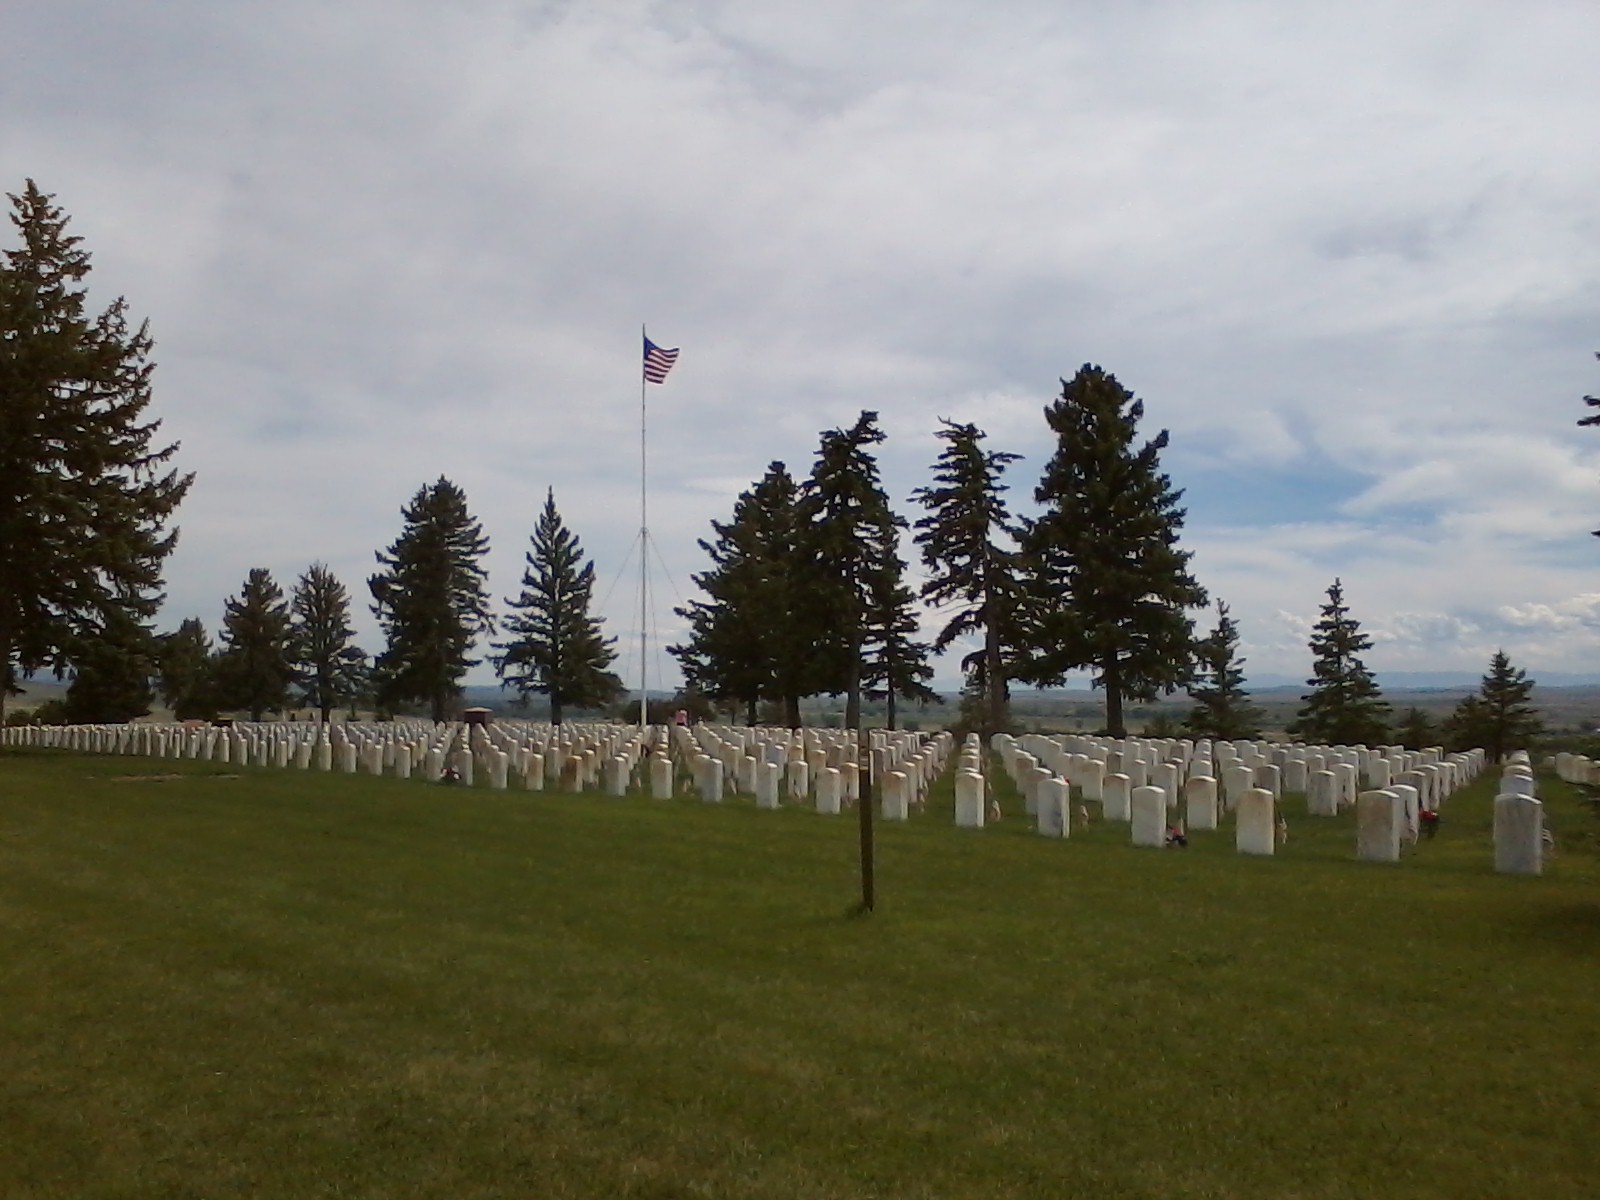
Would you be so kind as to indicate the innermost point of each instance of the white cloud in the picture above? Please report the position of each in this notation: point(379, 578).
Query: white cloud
point(1347, 255)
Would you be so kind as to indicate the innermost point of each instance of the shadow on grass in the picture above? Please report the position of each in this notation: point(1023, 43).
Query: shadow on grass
point(1571, 926)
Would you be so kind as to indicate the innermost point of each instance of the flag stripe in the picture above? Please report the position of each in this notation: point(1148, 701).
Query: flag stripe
point(657, 362)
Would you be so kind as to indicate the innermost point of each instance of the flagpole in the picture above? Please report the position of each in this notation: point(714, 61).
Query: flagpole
point(644, 546)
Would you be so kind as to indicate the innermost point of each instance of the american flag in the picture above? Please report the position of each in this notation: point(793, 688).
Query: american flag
point(657, 362)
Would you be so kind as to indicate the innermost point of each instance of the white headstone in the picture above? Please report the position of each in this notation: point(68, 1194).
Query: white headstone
point(1518, 835)
point(1379, 824)
point(969, 800)
point(1149, 805)
point(1256, 830)
point(1116, 798)
point(1200, 802)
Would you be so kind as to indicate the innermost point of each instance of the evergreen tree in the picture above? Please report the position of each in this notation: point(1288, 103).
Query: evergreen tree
point(1344, 706)
point(187, 667)
point(849, 532)
point(111, 672)
point(330, 667)
point(431, 600)
point(747, 641)
point(1112, 588)
point(255, 670)
point(1498, 716)
point(895, 663)
point(557, 648)
point(967, 542)
point(84, 496)
point(1222, 707)
point(1415, 731)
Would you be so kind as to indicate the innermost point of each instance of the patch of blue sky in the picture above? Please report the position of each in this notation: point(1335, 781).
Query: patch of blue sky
point(1235, 495)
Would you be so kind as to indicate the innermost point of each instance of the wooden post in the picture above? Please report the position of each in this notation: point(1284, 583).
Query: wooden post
point(864, 803)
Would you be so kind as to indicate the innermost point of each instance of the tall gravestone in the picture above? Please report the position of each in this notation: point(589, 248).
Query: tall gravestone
point(969, 800)
point(1255, 823)
point(1052, 818)
point(1379, 824)
point(1518, 835)
point(1149, 816)
point(1115, 797)
point(1200, 802)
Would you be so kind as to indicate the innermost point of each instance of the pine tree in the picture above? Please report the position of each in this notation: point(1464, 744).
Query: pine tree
point(895, 661)
point(1222, 706)
point(746, 642)
point(187, 667)
point(84, 496)
point(849, 531)
point(557, 648)
point(111, 672)
point(1415, 731)
point(1344, 706)
point(330, 667)
point(255, 670)
point(1112, 588)
point(1498, 716)
point(431, 601)
point(967, 542)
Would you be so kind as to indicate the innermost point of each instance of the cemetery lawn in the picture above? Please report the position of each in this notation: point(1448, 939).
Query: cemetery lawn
point(277, 984)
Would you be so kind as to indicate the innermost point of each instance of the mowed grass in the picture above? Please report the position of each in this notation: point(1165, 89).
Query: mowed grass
point(275, 984)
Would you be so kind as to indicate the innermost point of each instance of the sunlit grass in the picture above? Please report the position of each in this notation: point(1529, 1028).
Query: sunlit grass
point(280, 984)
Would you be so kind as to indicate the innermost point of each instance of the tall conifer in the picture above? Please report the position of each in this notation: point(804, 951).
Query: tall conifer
point(187, 667)
point(968, 546)
point(431, 599)
point(1344, 706)
point(895, 663)
point(556, 647)
point(1499, 716)
point(1111, 588)
point(850, 531)
point(747, 640)
point(85, 494)
point(1222, 706)
point(330, 667)
point(256, 668)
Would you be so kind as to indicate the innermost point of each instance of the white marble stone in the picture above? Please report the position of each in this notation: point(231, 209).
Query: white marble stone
point(1256, 823)
point(1380, 823)
point(1200, 803)
point(969, 800)
point(1054, 818)
point(1518, 835)
point(1149, 816)
point(829, 791)
point(1116, 793)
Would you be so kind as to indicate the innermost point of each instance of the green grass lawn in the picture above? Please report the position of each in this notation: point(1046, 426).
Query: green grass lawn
point(275, 984)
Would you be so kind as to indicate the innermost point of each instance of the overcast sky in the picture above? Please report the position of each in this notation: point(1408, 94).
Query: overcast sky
point(1348, 254)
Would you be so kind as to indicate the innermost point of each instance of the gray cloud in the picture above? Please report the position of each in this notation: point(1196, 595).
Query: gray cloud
point(1347, 256)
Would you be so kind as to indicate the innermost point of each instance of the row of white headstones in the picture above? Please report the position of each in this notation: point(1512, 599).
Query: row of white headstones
point(711, 762)
point(1156, 786)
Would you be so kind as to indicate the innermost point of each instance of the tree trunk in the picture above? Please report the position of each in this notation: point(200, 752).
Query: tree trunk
point(994, 685)
point(791, 711)
point(750, 711)
point(1111, 680)
point(852, 695)
point(889, 708)
point(555, 708)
